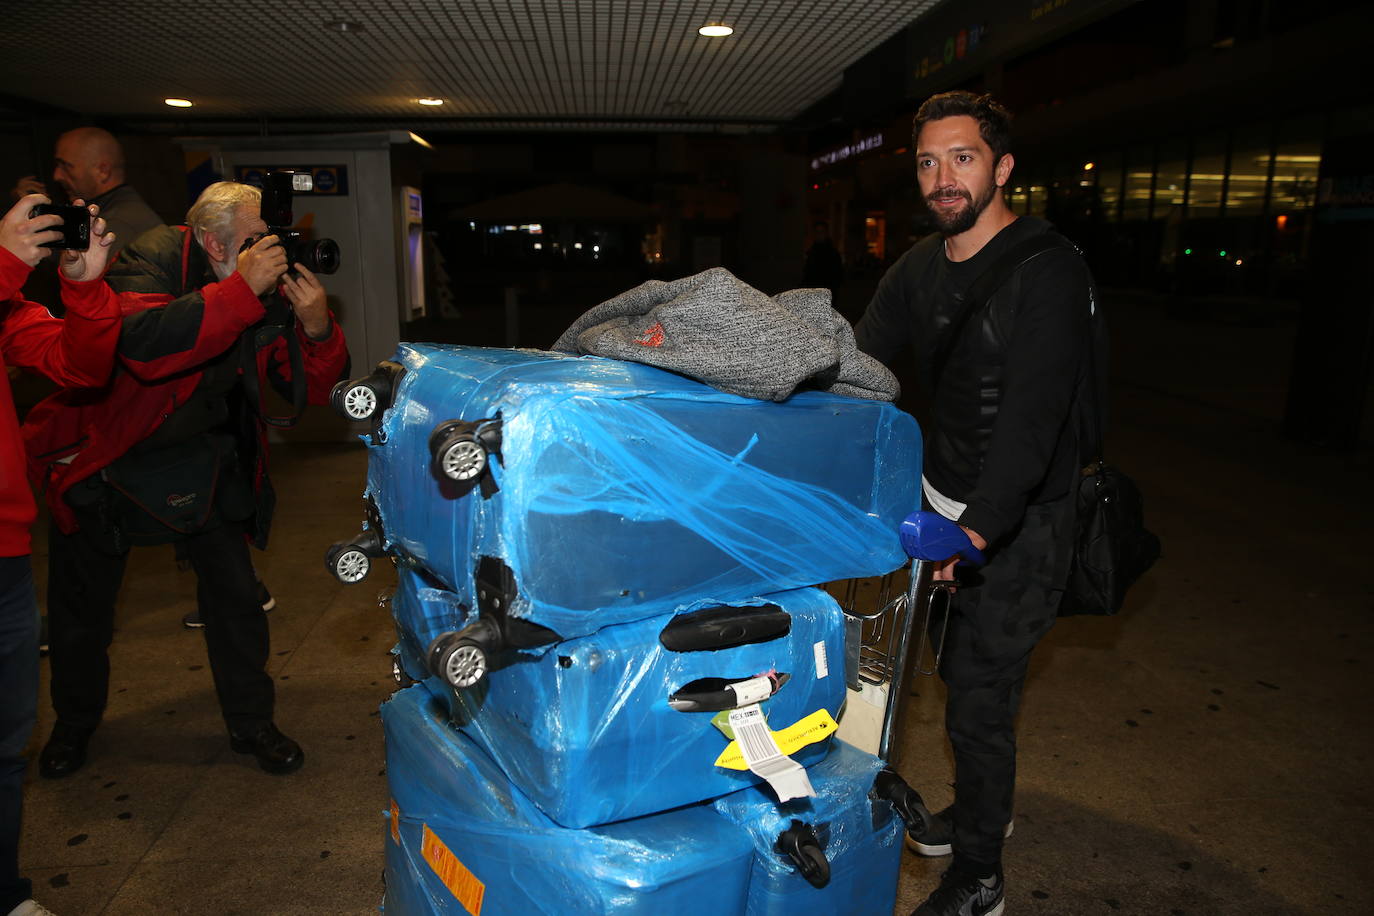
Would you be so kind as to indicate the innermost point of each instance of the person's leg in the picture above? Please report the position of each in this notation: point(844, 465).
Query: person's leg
point(237, 640)
point(18, 710)
point(994, 626)
point(83, 583)
point(236, 631)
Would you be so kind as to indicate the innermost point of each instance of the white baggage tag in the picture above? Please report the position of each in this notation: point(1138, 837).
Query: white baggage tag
point(755, 690)
point(787, 777)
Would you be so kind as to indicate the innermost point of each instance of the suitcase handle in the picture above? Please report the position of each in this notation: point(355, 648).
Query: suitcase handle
point(713, 694)
point(725, 627)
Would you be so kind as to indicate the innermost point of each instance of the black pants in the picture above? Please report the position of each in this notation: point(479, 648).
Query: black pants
point(83, 583)
point(994, 623)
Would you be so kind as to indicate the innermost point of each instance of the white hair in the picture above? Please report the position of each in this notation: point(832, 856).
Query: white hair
point(214, 210)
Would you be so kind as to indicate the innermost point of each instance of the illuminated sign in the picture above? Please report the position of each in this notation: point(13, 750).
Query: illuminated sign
point(845, 152)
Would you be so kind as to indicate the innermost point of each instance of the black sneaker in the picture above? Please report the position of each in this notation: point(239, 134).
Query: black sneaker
point(43, 636)
point(939, 839)
point(964, 895)
point(192, 620)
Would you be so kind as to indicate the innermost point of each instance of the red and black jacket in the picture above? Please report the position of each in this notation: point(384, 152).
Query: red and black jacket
point(177, 318)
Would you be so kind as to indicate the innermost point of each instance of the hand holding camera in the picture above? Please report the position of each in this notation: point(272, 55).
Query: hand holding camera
point(86, 261)
point(308, 301)
point(262, 264)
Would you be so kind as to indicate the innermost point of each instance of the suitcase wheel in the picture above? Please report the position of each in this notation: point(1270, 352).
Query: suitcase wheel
point(911, 808)
point(799, 844)
point(348, 563)
point(403, 680)
point(360, 398)
point(461, 659)
point(458, 455)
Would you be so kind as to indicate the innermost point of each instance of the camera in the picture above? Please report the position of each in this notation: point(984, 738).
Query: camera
point(75, 226)
point(320, 256)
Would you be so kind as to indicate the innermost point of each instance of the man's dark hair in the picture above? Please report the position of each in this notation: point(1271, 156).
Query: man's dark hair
point(994, 121)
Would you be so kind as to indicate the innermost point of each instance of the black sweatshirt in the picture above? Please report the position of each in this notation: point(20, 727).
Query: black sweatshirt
point(1007, 414)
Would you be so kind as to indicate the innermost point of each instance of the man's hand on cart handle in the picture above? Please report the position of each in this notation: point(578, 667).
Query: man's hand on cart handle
point(944, 570)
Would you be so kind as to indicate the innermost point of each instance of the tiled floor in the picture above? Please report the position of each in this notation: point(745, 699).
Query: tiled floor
point(1206, 752)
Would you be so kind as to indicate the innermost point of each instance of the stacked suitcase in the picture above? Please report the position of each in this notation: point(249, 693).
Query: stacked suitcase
point(597, 561)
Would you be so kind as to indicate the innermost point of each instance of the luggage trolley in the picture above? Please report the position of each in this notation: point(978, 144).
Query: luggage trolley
point(878, 656)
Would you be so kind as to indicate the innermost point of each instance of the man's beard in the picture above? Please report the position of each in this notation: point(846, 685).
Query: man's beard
point(961, 220)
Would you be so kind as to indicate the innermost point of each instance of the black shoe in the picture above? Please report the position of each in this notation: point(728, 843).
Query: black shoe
point(964, 895)
point(192, 621)
point(276, 753)
point(43, 636)
point(65, 752)
point(939, 839)
point(265, 597)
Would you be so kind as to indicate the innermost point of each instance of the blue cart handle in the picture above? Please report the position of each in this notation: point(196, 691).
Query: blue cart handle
point(931, 537)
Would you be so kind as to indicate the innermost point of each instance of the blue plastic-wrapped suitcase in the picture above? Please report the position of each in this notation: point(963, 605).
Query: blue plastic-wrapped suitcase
point(601, 491)
point(463, 841)
point(619, 723)
point(858, 835)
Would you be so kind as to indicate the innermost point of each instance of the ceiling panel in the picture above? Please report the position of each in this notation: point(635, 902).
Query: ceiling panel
point(560, 61)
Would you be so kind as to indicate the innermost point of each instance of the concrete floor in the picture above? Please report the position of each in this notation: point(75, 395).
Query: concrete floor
point(1204, 753)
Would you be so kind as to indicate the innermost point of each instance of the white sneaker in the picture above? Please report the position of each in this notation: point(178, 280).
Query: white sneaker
point(31, 908)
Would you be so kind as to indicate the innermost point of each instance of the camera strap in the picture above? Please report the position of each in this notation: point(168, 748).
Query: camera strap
point(260, 337)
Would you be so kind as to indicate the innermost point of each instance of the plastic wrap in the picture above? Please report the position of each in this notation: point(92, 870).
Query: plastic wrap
point(461, 840)
point(585, 728)
point(623, 491)
point(861, 838)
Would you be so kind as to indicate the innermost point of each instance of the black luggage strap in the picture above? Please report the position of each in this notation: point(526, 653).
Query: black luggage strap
point(989, 282)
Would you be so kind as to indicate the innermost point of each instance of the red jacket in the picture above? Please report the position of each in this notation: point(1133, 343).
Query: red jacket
point(74, 352)
point(174, 323)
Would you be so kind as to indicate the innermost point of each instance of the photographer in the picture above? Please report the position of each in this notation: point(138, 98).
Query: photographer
point(76, 351)
point(175, 449)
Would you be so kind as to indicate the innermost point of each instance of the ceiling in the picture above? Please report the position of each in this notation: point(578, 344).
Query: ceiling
point(501, 64)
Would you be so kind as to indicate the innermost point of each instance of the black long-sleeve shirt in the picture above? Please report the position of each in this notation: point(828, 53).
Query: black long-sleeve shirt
point(1007, 412)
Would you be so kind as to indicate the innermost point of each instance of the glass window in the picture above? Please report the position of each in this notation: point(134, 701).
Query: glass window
point(1140, 171)
point(1038, 195)
point(1207, 175)
point(1297, 157)
point(1107, 168)
point(1250, 153)
point(1170, 178)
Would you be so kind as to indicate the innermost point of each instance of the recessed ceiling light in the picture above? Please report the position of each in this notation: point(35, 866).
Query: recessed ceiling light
point(343, 25)
point(715, 30)
point(430, 101)
point(178, 103)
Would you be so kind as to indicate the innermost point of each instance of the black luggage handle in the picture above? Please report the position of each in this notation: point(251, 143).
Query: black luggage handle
point(725, 627)
point(713, 694)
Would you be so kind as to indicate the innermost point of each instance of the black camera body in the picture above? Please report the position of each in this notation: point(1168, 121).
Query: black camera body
point(320, 256)
point(75, 226)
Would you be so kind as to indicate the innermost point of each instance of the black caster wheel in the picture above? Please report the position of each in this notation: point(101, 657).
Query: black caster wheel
point(457, 453)
point(348, 563)
point(398, 672)
point(462, 659)
point(356, 399)
point(799, 844)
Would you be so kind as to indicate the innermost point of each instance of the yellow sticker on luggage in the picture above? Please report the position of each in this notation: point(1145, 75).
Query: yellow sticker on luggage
point(816, 727)
point(462, 883)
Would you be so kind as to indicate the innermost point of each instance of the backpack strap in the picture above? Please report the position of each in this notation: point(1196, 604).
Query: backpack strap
point(989, 282)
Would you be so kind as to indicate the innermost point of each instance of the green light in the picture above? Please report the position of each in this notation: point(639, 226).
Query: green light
point(1223, 252)
point(1187, 251)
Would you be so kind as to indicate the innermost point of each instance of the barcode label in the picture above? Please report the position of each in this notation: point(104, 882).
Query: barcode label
point(822, 662)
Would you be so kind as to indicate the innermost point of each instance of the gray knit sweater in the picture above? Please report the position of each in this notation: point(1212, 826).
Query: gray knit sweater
point(716, 328)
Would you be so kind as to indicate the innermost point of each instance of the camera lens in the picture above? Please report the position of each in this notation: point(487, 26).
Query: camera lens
point(324, 257)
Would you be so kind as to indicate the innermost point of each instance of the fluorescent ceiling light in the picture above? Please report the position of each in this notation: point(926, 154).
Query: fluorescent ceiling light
point(430, 101)
point(177, 103)
point(715, 30)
